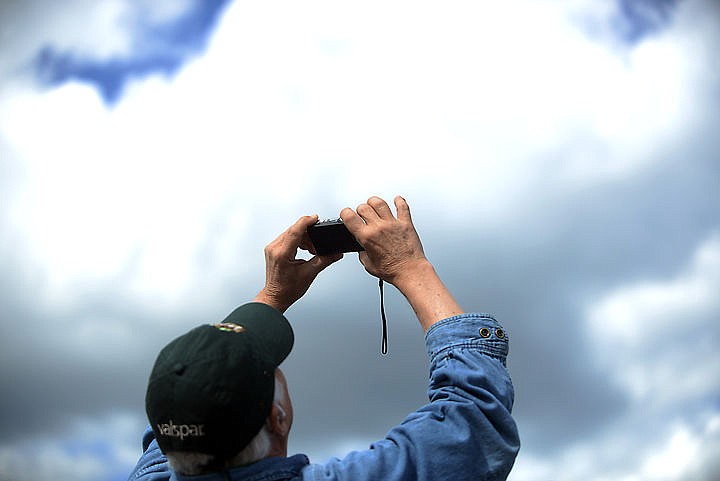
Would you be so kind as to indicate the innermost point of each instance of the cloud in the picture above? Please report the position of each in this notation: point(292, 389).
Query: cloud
point(99, 449)
point(556, 176)
point(657, 341)
point(660, 338)
point(257, 120)
point(672, 452)
point(162, 37)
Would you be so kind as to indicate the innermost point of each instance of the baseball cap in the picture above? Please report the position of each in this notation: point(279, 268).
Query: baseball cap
point(211, 389)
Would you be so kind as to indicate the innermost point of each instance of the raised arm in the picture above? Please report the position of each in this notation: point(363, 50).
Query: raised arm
point(394, 253)
point(466, 431)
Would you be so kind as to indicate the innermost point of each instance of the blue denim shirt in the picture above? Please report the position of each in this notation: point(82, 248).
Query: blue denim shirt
point(465, 432)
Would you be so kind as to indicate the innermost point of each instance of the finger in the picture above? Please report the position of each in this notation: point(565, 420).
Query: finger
point(381, 207)
point(300, 226)
point(403, 209)
point(287, 243)
point(317, 263)
point(352, 221)
point(295, 235)
point(367, 213)
point(307, 245)
point(306, 242)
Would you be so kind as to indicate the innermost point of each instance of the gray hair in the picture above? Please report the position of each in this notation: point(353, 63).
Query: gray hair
point(193, 463)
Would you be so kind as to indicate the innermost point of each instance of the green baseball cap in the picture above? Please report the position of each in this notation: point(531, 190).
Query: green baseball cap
point(211, 389)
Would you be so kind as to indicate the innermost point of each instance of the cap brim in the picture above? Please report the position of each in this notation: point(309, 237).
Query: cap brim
point(268, 325)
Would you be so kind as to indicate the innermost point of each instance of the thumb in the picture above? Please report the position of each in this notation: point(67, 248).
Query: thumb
point(403, 209)
point(318, 263)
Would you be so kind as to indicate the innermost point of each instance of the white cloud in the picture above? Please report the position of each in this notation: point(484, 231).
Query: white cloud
point(667, 451)
point(658, 341)
point(331, 103)
point(90, 450)
point(651, 335)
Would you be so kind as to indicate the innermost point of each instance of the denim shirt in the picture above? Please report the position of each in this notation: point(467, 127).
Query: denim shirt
point(466, 431)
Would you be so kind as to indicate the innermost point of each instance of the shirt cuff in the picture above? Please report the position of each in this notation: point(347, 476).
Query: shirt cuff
point(475, 331)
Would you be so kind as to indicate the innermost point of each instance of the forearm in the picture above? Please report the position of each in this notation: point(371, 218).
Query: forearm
point(426, 293)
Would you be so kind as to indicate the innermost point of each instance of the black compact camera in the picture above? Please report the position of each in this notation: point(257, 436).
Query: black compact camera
point(332, 237)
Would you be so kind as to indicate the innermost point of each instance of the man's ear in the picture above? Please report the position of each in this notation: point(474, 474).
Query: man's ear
point(278, 420)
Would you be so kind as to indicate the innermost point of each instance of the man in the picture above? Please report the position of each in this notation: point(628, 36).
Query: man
point(219, 407)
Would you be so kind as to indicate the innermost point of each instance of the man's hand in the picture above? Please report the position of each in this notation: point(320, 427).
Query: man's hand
point(286, 277)
point(393, 253)
point(392, 246)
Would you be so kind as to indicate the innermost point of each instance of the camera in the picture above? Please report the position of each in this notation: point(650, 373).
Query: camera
point(332, 237)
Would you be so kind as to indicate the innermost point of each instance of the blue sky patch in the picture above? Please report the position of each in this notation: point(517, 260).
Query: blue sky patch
point(638, 19)
point(157, 48)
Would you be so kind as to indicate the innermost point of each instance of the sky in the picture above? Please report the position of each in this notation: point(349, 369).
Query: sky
point(562, 164)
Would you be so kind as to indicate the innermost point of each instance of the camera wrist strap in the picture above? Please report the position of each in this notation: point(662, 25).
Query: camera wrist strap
point(383, 347)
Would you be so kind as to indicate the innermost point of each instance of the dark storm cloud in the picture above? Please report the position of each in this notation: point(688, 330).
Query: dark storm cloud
point(48, 386)
point(537, 272)
point(550, 260)
point(157, 47)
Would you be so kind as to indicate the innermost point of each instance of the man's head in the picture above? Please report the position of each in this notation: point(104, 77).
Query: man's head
point(212, 389)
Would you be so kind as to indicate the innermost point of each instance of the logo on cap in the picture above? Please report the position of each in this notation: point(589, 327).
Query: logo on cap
point(229, 327)
point(181, 431)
